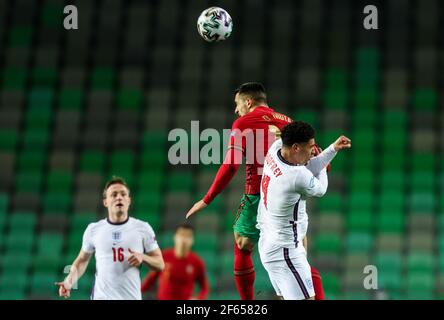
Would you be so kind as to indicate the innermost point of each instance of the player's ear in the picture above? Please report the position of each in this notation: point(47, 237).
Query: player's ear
point(104, 203)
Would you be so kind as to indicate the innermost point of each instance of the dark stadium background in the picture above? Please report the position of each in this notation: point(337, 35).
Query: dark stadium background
point(79, 106)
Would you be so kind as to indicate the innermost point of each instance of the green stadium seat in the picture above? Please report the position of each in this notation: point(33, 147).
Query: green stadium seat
point(35, 139)
point(364, 119)
point(328, 243)
point(23, 221)
point(390, 220)
point(359, 242)
point(166, 240)
point(361, 180)
point(29, 181)
point(129, 99)
point(365, 98)
point(92, 161)
point(102, 78)
point(13, 282)
point(361, 201)
point(422, 161)
point(44, 77)
point(331, 282)
point(42, 284)
point(4, 201)
point(14, 78)
point(390, 280)
point(147, 202)
point(336, 79)
point(32, 160)
point(8, 140)
point(392, 200)
point(52, 14)
point(16, 262)
point(20, 36)
point(424, 99)
point(153, 218)
point(154, 140)
point(71, 99)
point(40, 102)
point(389, 261)
point(205, 241)
point(59, 181)
point(423, 181)
point(122, 161)
point(334, 202)
point(420, 282)
point(150, 181)
point(57, 203)
point(392, 181)
point(308, 116)
point(363, 140)
point(180, 181)
point(360, 220)
point(153, 160)
point(422, 201)
point(49, 249)
point(19, 241)
point(336, 99)
point(209, 257)
point(420, 262)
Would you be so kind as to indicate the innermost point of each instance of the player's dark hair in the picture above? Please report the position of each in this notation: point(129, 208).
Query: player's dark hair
point(114, 180)
point(297, 132)
point(254, 90)
point(185, 226)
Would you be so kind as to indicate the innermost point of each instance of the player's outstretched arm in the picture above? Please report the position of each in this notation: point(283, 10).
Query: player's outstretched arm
point(149, 281)
point(78, 268)
point(223, 177)
point(153, 259)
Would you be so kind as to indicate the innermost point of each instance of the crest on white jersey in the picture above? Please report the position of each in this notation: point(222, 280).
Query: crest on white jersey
point(116, 236)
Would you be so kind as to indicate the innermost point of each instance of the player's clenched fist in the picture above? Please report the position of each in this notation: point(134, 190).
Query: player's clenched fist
point(64, 289)
point(342, 143)
point(135, 259)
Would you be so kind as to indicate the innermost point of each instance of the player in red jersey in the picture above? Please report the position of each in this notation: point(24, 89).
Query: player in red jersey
point(183, 268)
point(252, 134)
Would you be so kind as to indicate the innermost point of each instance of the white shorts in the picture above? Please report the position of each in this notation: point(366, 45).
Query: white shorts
point(291, 275)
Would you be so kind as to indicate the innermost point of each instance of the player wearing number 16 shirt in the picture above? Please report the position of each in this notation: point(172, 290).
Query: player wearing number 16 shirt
point(121, 244)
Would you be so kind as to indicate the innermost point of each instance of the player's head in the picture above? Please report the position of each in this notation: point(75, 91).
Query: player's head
point(116, 196)
point(248, 96)
point(184, 237)
point(298, 138)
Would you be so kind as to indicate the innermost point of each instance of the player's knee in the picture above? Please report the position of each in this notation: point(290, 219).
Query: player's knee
point(245, 244)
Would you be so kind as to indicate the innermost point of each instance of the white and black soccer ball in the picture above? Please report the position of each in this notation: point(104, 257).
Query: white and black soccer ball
point(214, 24)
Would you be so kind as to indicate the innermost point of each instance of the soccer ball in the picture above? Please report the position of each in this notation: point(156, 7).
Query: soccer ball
point(214, 24)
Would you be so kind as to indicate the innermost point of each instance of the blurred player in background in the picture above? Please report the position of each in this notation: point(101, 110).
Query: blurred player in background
point(289, 178)
point(121, 244)
point(183, 269)
point(256, 117)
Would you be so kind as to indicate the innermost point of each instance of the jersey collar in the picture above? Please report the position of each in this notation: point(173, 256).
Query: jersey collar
point(283, 160)
point(117, 223)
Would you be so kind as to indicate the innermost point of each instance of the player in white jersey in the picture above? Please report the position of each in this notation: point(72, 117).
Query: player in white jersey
point(288, 179)
point(121, 244)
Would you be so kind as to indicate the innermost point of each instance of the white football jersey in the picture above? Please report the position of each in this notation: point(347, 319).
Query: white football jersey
point(282, 217)
point(115, 279)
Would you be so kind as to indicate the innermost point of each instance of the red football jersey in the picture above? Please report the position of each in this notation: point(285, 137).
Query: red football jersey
point(254, 133)
point(177, 280)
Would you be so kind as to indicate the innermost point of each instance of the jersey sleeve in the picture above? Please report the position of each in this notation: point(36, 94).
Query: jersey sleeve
point(237, 139)
point(87, 243)
point(316, 164)
point(149, 239)
point(309, 185)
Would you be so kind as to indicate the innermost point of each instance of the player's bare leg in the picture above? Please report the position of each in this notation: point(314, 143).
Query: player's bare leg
point(243, 266)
